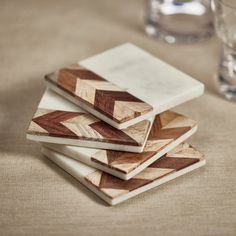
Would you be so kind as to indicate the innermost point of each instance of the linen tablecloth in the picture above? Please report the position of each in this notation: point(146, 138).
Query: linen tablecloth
point(37, 197)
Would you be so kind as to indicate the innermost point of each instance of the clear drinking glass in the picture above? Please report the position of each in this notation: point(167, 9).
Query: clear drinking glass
point(225, 24)
point(179, 20)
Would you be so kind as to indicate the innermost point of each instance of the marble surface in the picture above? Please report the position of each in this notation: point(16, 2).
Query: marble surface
point(169, 129)
point(177, 162)
point(145, 76)
point(37, 197)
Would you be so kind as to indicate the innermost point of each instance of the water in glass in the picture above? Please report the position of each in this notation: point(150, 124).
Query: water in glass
point(179, 20)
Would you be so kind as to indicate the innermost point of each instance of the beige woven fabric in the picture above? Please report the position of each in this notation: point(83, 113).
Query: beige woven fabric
point(38, 198)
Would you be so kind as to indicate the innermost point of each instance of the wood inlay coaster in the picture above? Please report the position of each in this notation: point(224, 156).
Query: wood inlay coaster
point(58, 121)
point(181, 160)
point(169, 129)
point(124, 85)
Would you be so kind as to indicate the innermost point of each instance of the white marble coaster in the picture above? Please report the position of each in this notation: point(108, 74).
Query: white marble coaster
point(124, 85)
point(179, 161)
point(168, 131)
point(59, 121)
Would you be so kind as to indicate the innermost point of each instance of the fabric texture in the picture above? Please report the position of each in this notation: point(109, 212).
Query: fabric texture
point(37, 197)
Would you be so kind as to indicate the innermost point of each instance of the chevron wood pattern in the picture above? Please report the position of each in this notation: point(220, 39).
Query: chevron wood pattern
point(98, 93)
point(84, 126)
point(167, 127)
point(179, 158)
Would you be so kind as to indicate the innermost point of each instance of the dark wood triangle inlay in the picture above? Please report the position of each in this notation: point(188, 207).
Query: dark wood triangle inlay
point(112, 134)
point(109, 181)
point(176, 163)
point(51, 123)
point(105, 100)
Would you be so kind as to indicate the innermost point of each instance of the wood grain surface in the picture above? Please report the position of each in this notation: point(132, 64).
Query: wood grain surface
point(84, 126)
point(167, 127)
point(98, 93)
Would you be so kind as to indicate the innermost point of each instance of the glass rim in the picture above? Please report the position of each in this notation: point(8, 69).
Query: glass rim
point(225, 3)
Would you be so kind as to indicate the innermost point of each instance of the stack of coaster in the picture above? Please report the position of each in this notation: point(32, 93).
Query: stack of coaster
point(106, 121)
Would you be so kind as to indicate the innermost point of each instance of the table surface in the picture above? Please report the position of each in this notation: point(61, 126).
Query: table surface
point(37, 197)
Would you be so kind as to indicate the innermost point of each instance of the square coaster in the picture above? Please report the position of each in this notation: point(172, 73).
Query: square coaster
point(60, 121)
point(169, 129)
point(124, 85)
point(177, 162)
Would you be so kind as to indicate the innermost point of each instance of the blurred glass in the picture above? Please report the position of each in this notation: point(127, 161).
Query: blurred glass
point(225, 24)
point(181, 21)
